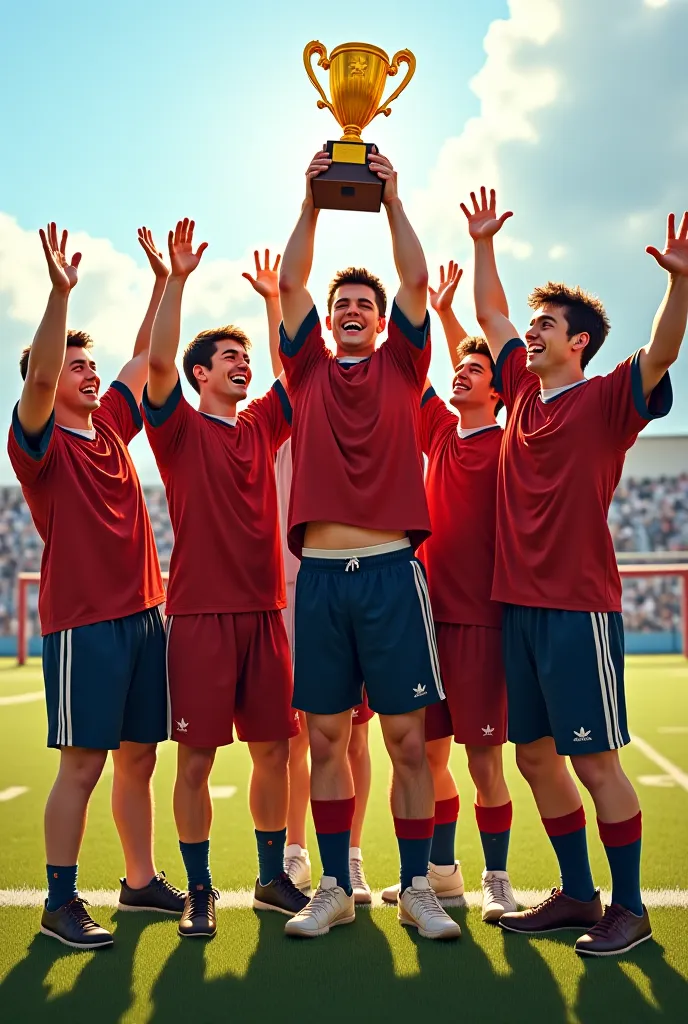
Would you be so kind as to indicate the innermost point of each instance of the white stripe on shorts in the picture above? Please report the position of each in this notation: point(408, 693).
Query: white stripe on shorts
point(424, 599)
point(68, 687)
point(60, 693)
point(168, 630)
point(601, 670)
point(613, 692)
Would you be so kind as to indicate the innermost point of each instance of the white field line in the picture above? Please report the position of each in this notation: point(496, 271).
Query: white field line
point(672, 728)
point(22, 698)
point(238, 899)
point(12, 793)
point(653, 755)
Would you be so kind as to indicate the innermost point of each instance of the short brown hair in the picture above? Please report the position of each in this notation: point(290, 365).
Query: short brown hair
point(475, 344)
point(584, 313)
point(75, 339)
point(201, 350)
point(358, 275)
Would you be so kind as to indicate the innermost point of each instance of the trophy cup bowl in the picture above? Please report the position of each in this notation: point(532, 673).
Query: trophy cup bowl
point(358, 72)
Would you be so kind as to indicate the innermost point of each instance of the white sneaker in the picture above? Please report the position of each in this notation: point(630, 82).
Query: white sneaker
point(297, 864)
point(328, 907)
point(446, 881)
point(498, 896)
point(362, 893)
point(420, 908)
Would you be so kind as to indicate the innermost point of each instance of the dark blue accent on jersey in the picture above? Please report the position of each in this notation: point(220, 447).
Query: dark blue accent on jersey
point(661, 397)
point(157, 416)
point(548, 401)
point(427, 395)
point(418, 336)
point(123, 389)
point(284, 400)
point(502, 358)
point(290, 348)
point(37, 446)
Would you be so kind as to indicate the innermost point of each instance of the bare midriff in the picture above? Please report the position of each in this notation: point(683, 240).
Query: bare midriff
point(336, 536)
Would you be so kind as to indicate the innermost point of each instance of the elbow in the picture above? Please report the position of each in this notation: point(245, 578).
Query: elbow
point(41, 381)
point(483, 317)
point(288, 284)
point(156, 364)
point(420, 281)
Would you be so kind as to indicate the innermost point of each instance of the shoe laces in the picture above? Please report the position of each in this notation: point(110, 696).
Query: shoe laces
point(160, 882)
point(199, 900)
point(322, 902)
point(292, 865)
point(358, 879)
point(427, 902)
point(498, 889)
point(284, 883)
point(552, 898)
point(77, 909)
point(613, 915)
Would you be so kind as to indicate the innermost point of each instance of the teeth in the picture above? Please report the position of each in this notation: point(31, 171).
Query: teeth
point(353, 326)
point(238, 380)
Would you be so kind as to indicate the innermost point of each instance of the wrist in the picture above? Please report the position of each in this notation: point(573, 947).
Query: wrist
point(58, 293)
point(177, 280)
point(394, 203)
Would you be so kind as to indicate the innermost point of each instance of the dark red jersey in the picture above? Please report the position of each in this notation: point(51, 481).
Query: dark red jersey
point(99, 560)
point(560, 463)
point(220, 484)
point(461, 485)
point(355, 443)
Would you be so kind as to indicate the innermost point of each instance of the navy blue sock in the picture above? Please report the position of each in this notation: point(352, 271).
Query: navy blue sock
point(332, 820)
point(494, 824)
point(61, 885)
point(622, 845)
point(444, 832)
point(196, 857)
point(270, 854)
point(414, 836)
point(567, 836)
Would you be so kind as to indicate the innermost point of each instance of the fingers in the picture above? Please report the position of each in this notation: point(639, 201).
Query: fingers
point(505, 217)
point(476, 208)
point(201, 249)
point(170, 243)
point(671, 228)
point(683, 230)
point(63, 242)
point(256, 260)
point(277, 261)
point(45, 242)
point(441, 275)
point(250, 279)
point(76, 259)
point(465, 210)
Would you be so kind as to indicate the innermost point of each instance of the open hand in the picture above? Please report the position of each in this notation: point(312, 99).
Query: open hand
point(155, 258)
point(266, 281)
point(674, 259)
point(320, 162)
point(442, 299)
point(63, 273)
point(483, 221)
point(381, 166)
point(183, 260)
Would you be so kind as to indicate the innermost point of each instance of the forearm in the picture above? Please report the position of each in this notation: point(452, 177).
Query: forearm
point(274, 315)
point(50, 342)
point(162, 373)
point(295, 270)
point(668, 330)
point(453, 331)
point(409, 259)
point(491, 307)
point(143, 337)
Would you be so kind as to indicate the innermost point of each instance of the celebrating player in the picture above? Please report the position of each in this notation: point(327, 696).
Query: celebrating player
point(297, 862)
point(562, 456)
point(461, 485)
point(100, 591)
point(227, 650)
point(357, 512)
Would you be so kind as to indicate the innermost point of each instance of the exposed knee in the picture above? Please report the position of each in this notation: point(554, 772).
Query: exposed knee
point(408, 752)
point(437, 753)
point(136, 760)
point(536, 761)
point(329, 738)
point(485, 766)
point(596, 770)
point(82, 768)
point(358, 743)
point(270, 757)
point(195, 766)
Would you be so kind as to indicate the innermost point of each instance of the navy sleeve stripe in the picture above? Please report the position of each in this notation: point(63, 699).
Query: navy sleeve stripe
point(284, 400)
point(514, 343)
point(156, 417)
point(418, 336)
point(290, 348)
point(661, 397)
point(427, 395)
point(35, 447)
point(131, 401)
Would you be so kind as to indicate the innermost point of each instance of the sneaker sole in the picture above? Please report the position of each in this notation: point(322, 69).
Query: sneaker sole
point(446, 936)
point(259, 905)
point(546, 931)
point(613, 952)
point(150, 910)
point(459, 900)
point(76, 945)
point(363, 899)
point(321, 931)
point(196, 935)
point(493, 916)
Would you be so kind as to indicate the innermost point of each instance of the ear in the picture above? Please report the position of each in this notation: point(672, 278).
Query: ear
point(580, 341)
point(494, 396)
point(200, 373)
point(381, 324)
point(328, 322)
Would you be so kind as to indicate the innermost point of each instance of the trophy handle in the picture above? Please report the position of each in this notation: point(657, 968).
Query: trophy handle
point(401, 57)
point(311, 49)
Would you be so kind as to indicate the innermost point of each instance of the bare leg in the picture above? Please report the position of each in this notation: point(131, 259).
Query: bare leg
point(444, 784)
point(359, 762)
point(132, 809)
point(608, 785)
point(193, 809)
point(546, 773)
point(65, 810)
point(299, 786)
point(269, 787)
point(331, 777)
point(412, 789)
point(487, 772)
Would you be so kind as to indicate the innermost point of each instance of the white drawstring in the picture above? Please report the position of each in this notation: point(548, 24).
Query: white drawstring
point(353, 564)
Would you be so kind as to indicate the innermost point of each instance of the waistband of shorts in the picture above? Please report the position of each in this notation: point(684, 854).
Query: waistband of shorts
point(357, 559)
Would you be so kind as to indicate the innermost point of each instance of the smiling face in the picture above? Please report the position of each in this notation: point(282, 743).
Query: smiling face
point(355, 320)
point(78, 385)
point(549, 346)
point(472, 384)
point(229, 375)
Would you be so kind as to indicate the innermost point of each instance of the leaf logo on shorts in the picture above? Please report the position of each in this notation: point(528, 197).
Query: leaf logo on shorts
point(182, 726)
point(488, 730)
point(581, 736)
point(420, 690)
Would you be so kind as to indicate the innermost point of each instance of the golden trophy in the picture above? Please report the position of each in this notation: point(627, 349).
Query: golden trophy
point(358, 72)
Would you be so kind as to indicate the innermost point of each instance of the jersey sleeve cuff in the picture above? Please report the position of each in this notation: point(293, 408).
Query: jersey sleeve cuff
point(290, 348)
point(131, 402)
point(418, 336)
point(427, 395)
point(281, 392)
point(661, 397)
point(157, 416)
point(510, 347)
point(35, 447)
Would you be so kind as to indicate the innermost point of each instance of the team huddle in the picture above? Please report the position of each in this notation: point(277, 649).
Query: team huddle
point(346, 545)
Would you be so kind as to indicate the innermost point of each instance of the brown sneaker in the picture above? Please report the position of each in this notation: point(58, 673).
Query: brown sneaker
point(557, 913)
point(618, 931)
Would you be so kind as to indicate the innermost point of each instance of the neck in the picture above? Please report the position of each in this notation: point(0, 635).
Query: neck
point(214, 405)
point(470, 419)
point(71, 419)
point(560, 376)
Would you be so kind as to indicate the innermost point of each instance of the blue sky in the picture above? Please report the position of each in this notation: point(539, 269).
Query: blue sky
point(134, 113)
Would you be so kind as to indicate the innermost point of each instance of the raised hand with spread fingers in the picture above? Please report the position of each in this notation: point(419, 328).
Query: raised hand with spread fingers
point(491, 308)
point(266, 284)
point(441, 300)
point(669, 325)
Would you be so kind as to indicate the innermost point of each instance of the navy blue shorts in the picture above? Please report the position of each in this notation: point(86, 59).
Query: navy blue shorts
point(565, 678)
point(106, 683)
point(364, 618)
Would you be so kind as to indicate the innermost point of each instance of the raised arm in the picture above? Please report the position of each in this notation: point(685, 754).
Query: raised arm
point(266, 284)
point(491, 308)
point(162, 372)
point(135, 372)
point(669, 325)
point(412, 297)
point(298, 255)
point(441, 301)
point(50, 342)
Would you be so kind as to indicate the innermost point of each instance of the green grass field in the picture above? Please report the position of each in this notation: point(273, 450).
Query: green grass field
point(374, 970)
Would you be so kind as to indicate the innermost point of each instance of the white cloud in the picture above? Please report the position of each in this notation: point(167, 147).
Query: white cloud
point(557, 252)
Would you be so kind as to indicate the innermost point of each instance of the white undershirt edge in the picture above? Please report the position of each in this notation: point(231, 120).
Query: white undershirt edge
point(350, 360)
point(229, 420)
point(547, 394)
point(373, 549)
point(90, 435)
point(467, 431)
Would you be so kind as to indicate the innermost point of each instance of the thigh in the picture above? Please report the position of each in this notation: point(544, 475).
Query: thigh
point(472, 665)
point(395, 636)
point(581, 666)
point(527, 712)
point(87, 674)
point(327, 674)
point(202, 673)
point(146, 708)
point(263, 711)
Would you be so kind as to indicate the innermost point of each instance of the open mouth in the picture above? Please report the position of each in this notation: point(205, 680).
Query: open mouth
point(90, 389)
point(352, 325)
point(535, 349)
point(240, 379)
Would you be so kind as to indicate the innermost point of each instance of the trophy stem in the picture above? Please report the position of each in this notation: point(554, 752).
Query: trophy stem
point(352, 133)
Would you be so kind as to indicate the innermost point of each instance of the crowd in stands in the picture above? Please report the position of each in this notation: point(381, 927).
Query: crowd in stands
point(646, 515)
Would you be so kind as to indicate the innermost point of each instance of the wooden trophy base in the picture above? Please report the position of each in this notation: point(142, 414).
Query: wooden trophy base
point(348, 184)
